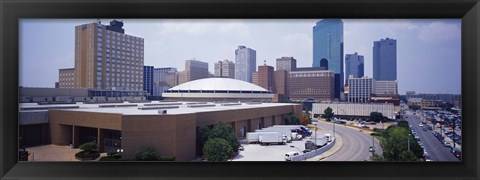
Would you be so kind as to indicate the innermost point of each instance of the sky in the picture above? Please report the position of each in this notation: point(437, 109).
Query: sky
point(428, 50)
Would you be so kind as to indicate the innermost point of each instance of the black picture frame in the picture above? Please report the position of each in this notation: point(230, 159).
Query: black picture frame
point(11, 11)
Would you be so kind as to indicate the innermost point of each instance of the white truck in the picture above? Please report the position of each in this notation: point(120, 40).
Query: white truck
point(320, 141)
point(286, 132)
point(252, 137)
point(329, 137)
point(272, 138)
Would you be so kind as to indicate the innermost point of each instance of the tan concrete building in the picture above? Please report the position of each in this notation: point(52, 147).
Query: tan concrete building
point(225, 68)
point(65, 78)
point(311, 85)
point(286, 63)
point(135, 126)
point(108, 59)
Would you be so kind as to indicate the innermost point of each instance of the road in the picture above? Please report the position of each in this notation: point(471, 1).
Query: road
point(355, 143)
point(436, 150)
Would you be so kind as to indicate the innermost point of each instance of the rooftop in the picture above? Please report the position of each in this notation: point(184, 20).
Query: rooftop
point(218, 84)
point(150, 108)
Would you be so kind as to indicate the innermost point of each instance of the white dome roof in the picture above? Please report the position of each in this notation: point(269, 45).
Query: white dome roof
point(219, 84)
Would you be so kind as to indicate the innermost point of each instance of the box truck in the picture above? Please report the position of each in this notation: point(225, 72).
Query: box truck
point(320, 141)
point(272, 138)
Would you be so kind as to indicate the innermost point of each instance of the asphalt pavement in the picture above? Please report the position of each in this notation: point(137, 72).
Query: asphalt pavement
point(355, 146)
point(436, 150)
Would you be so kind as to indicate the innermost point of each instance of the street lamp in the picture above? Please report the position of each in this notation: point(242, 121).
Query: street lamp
point(304, 158)
point(408, 140)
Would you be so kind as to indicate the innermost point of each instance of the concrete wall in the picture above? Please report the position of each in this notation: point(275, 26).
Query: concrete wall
point(170, 135)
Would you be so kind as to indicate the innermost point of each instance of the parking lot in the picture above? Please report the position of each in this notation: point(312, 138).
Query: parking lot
point(257, 152)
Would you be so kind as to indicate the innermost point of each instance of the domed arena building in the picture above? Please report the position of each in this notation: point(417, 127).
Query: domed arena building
point(218, 90)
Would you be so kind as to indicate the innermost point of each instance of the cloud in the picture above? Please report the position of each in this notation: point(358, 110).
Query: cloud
point(196, 27)
point(298, 38)
point(439, 32)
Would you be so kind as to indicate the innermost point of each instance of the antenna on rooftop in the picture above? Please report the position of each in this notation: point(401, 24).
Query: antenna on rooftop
point(265, 62)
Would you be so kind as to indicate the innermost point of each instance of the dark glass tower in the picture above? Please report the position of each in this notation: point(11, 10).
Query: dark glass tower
point(385, 60)
point(148, 79)
point(328, 44)
point(354, 65)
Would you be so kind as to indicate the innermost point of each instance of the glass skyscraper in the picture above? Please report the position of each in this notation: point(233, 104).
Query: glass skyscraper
point(385, 60)
point(328, 44)
point(148, 79)
point(354, 65)
point(245, 63)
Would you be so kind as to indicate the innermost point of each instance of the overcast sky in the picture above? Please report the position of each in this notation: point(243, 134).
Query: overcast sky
point(428, 51)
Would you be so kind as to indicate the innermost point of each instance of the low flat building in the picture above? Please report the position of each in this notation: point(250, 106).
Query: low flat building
point(218, 89)
point(169, 127)
point(354, 110)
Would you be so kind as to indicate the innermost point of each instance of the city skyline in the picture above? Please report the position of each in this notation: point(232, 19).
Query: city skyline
point(422, 44)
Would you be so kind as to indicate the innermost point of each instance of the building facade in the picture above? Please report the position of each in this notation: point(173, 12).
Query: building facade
point(360, 89)
point(281, 78)
point(386, 87)
point(354, 110)
point(245, 63)
point(65, 79)
point(328, 47)
point(108, 59)
point(354, 65)
point(148, 79)
point(266, 78)
point(286, 63)
point(163, 79)
point(195, 70)
point(385, 60)
point(225, 68)
point(317, 85)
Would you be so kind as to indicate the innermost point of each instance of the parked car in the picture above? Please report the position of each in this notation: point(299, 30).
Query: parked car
point(427, 158)
point(289, 155)
point(447, 144)
point(371, 149)
point(457, 153)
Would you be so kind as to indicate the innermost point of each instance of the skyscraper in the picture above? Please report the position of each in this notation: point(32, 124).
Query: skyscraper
point(354, 65)
point(225, 68)
point(265, 77)
point(148, 79)
point(286, 63)
point(385, 60)
point(108, 59)
point(195, 70)
point(65, 79)
point(328, 49)
point(163, 79)
point(245, 63)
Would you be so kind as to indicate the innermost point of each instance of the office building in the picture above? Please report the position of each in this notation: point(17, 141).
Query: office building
point(65, 78)
point(387, 98)
point(316, 85)
point(148, 79)
point(328, 49)
point(386, 87)
point(354, 110)
point(354, 65)
point(182, 77)
point(286, 63)
point(266, 78)
point(281, 85)
point(360, 89)
point(245, 63)
point(385, 60)
point(195, 70)
point(225, 68)
point(163, 79)
point(108, 59)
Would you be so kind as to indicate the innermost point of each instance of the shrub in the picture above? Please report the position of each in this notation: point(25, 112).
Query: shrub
point(89, 147)
point(147, 154)
point(217, 149)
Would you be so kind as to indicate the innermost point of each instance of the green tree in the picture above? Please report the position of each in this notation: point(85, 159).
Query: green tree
point(403, 124)
point(407, 156)
point(147, 154)
point(376, 116)
point(328, 114)
point(292, 120)
point(217, 149)
point(224, 131)
point(201, 138)
point(89, 147)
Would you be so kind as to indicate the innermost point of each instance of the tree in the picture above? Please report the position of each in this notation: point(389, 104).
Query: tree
point(89, 147)
point(328, 114)
point(147, 154)
point(201, 139)
point(305, 119)
point(376, 116)
point(292, 120)
point(407, 156)
point(88, 150)
point(396, 142)
point(224, 131)
point(217, 149)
